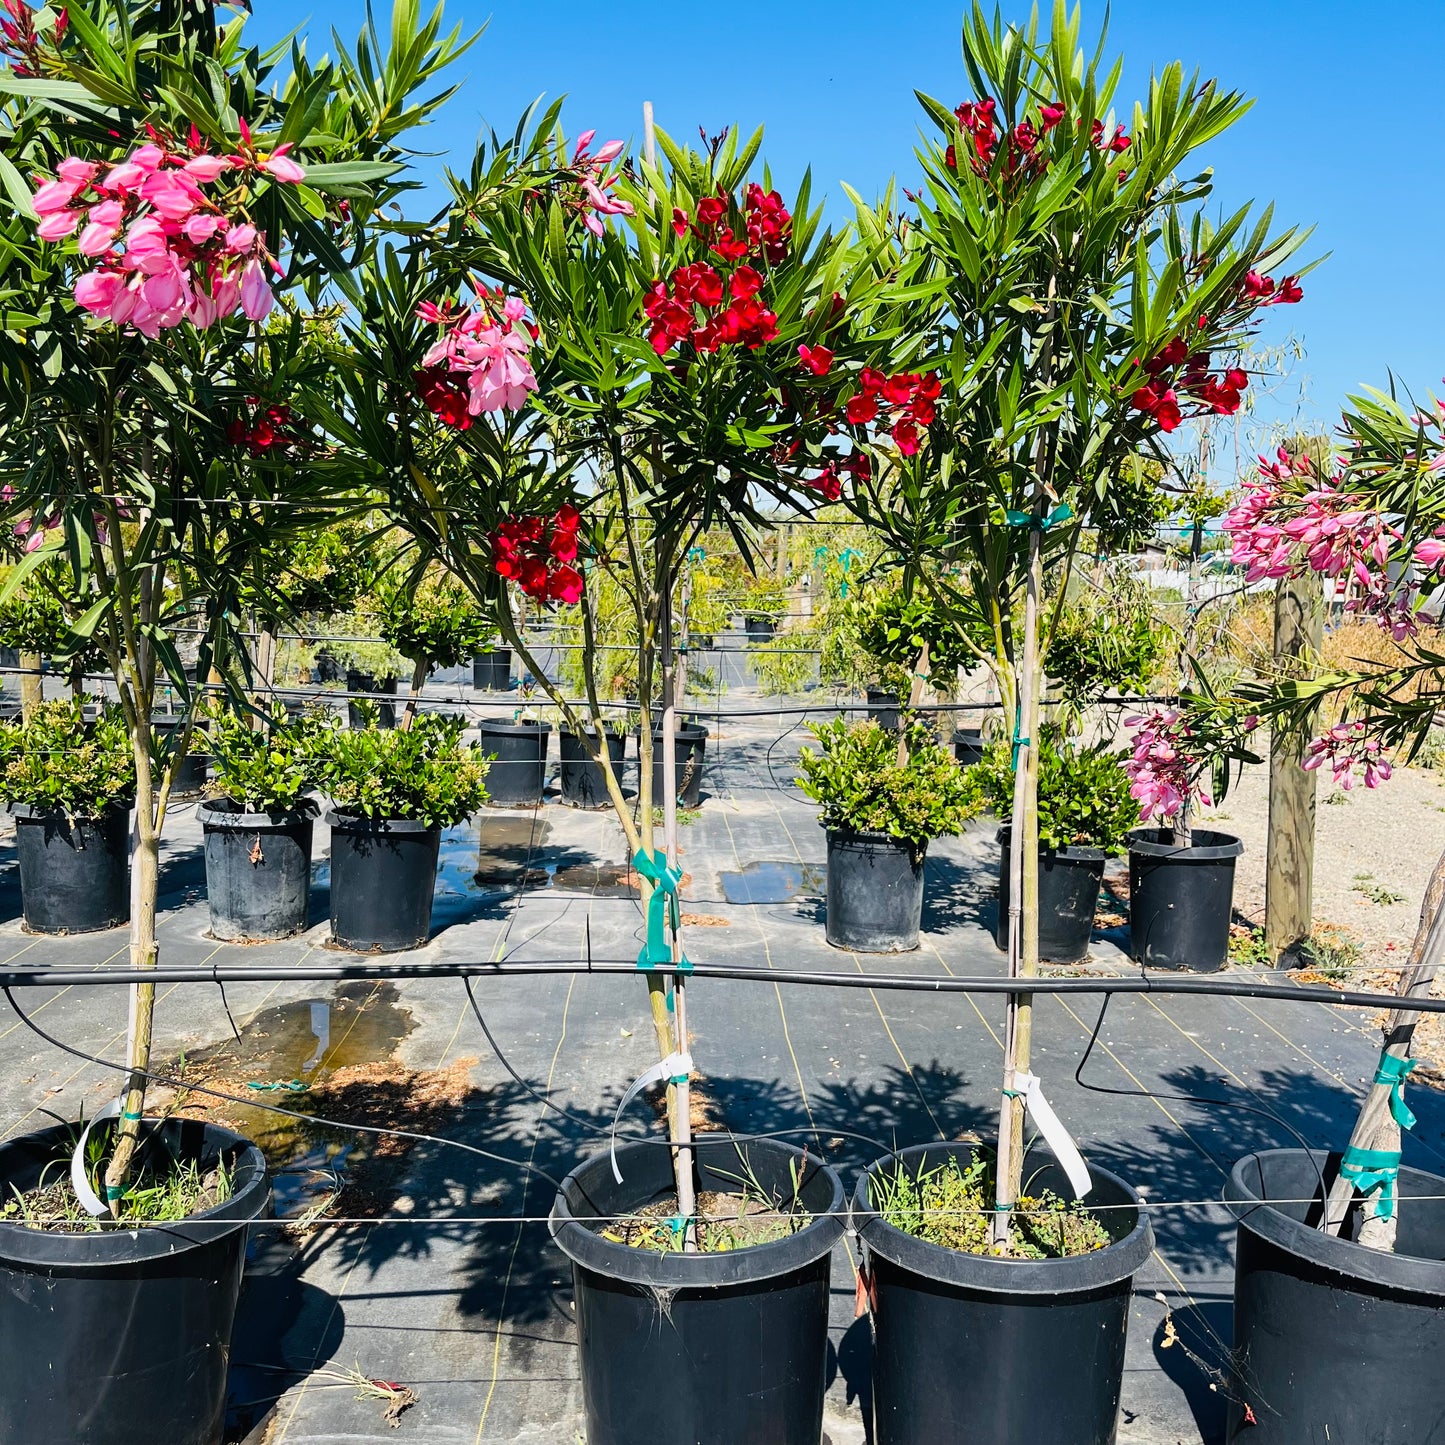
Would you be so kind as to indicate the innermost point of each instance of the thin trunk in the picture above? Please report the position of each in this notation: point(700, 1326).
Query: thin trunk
point(265, 670)
point(1376, 1127)
point(915, 697)
point(418, 681)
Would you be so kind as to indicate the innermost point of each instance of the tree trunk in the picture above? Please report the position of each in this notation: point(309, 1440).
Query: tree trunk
point(418, 681)
point(145, 877)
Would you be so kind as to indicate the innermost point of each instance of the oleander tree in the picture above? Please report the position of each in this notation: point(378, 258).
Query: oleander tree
point(1061, 300)
point(167, 188)
point(592, 359)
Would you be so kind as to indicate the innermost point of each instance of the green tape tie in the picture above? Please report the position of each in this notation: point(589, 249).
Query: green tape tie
point(1372, 1169)
point(662, 908)
point(112, 1193)
point(1392, 1073)
point(134, 1118)
point(1061, 513)
point(1012, 1094)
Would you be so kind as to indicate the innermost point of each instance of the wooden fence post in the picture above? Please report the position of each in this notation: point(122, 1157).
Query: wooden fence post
point(1299, 612)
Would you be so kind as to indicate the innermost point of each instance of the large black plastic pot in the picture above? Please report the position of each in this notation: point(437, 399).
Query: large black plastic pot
point(690, 748)
point(584, 784)
point(519, 769)
point(123, 1336)
point(1334, 1341)
point(701, 1349)
point(875, 892)
point(1181, 900)
point(383, 878)
point(759, 629)
point(74, 872)
point(943, 1321)
point(383, 714)
point(1069, 880)
point(968, 748)
point(492, 671)
point(258, 870)
point(195, 766)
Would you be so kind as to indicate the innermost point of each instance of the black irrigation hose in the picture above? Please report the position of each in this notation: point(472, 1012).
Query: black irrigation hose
point(1228, 985)
point(1196, 1099)
point(174, 1082)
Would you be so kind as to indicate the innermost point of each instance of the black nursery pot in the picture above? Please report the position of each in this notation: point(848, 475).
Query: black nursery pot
point(492, 671)
point(384, 712)
point(759, 629)
point(942, 1320)
point(875, 892)
point(1181, 899)
point(701, 1349)
point(258, 870)
point(690, 748)
point(584, 784)
point(195, 766)
point(74, 872)
point(968, 748)
point(519, 769)
point(1069, 880)
point(1334, 1341)
point(883, 709)
point(122, 1336)
point(383, 878)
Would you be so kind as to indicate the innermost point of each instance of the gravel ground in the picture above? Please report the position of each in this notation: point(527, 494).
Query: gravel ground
point(1383, 841)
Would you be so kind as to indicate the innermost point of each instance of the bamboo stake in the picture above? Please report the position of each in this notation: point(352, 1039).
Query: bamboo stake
point(1023, 932)
point(682, 1112)
point(1376, 1127)
point(32, 684)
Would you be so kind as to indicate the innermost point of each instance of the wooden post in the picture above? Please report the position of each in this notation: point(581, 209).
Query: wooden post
point(32, 684)
point(1289, 865)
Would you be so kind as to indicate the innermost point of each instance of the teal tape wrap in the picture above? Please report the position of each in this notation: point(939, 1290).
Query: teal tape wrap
point(1372, 1169)
point(1061, 513)
point(655, 952)
point(1392, 1073)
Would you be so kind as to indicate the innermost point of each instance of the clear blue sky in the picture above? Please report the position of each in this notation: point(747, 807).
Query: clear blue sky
point(1347, 132)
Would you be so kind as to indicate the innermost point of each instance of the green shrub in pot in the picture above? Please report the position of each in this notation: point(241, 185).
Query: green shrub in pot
point(63, 762)
point(425, 774)
point(267, 769)
point(1084, 798)
point(857, 778)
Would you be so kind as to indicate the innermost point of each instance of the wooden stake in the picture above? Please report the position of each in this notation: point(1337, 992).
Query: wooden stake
point(1299, 619)
point(32, 684)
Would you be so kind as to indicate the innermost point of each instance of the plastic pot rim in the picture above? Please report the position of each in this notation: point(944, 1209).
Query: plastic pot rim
point(1070, 852)
point(340, 822)
point(700, 1271)
point(527, 725)
point(29, 813)
point(224, 814)
point(1152, 843)
point(110, 1248)
point(1372, 1268)
point(858, 837)
point(1078, 1274)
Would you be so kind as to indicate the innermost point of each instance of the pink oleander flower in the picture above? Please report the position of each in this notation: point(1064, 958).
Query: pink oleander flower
point(1163, 767)
point(486, 352)
point(166, 250)
point(594, 202)
point(1347, 748)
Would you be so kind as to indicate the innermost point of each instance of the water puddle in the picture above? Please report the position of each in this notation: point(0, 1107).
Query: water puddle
point(774, 882)
point(285, 1056)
